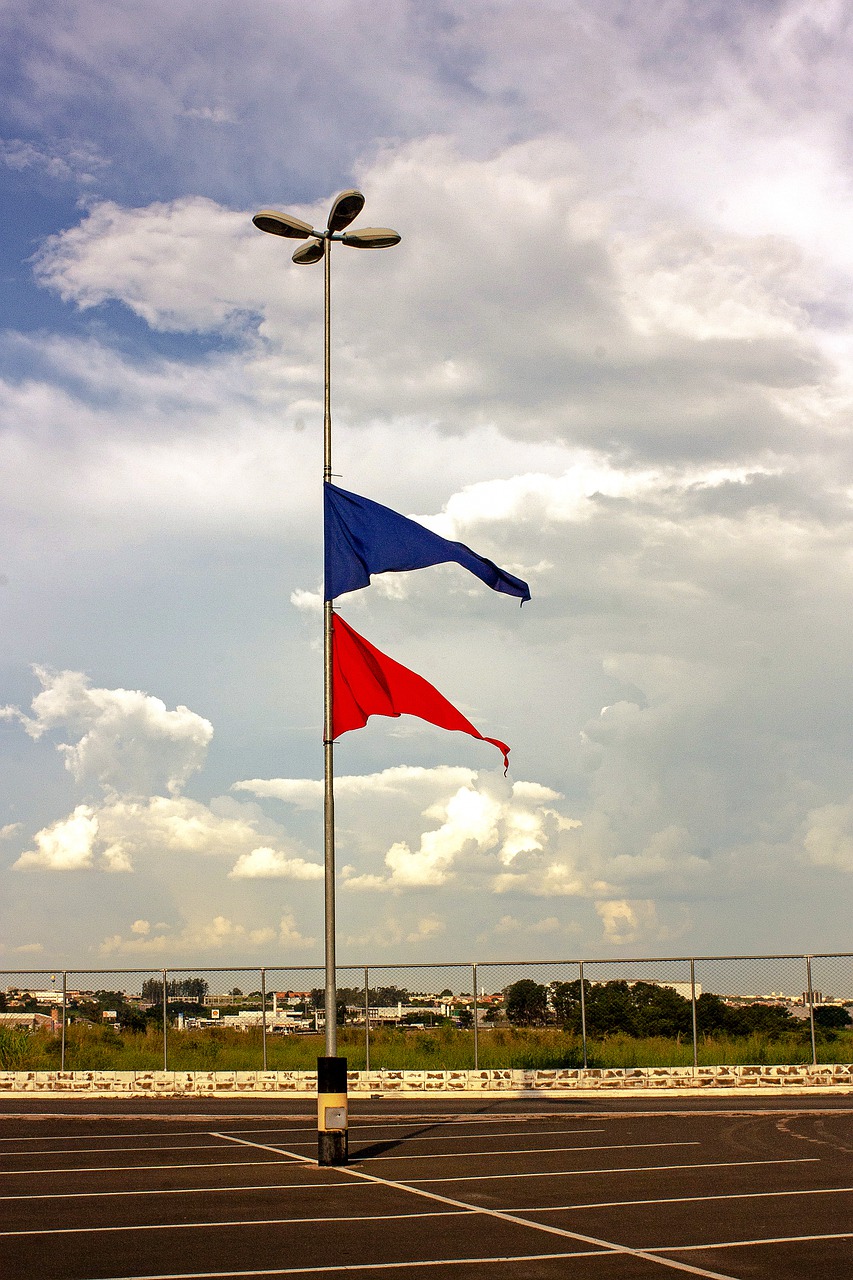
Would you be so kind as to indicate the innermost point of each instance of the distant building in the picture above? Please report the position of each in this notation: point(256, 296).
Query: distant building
point(32, 1021)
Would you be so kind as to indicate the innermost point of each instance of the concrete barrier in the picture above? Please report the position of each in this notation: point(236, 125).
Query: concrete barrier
point(838, 1078)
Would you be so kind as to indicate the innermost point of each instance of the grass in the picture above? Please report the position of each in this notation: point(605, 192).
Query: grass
point(91, 1048)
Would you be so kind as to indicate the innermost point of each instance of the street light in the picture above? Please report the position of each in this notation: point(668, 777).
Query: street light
point(332, 1136)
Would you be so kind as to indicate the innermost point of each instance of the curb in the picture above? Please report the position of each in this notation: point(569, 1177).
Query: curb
point(565, 1083)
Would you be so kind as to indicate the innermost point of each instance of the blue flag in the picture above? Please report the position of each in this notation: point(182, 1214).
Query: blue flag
point(363, 538)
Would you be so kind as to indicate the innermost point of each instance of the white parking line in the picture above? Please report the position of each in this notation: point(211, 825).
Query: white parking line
point(735, 1195)
point(375, 1266)
point(189, 1191)
point(440, 1137)
point(513, 1218)
point(443, 1121)
point(527, 1151)
point(583, 1173)
point(143, 1168)
point(89, 1151)
point(746, 1244)
point(236, 1222)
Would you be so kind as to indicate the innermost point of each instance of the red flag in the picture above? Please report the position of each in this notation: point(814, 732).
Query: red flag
point(368, 683)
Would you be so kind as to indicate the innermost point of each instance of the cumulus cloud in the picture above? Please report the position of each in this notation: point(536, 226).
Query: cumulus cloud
point(512, 926)
point(625, 921)
point(488, 823)
point(398, 780)
point(220, 933)
point(67, 845)
point(80, 262)
point(114, 836)
point(127, 741)
point(659, 441)
point(264, 863)
point(614, 328)
point(393, 932)
point(828, 840)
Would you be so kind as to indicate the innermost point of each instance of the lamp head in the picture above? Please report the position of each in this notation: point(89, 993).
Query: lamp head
point(310, 252)
point(346, 206)
point(282, 224)
point(372, 238)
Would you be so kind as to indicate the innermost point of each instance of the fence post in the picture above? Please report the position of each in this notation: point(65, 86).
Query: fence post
point(476, 1046)
point(583, 1015)
point(693, 1005)
point(264, 1014)
point(811, 1008)
point(64, 1001)
point(366, 1018)
point(165, 1024)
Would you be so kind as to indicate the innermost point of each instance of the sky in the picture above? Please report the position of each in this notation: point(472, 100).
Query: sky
point(612, 353)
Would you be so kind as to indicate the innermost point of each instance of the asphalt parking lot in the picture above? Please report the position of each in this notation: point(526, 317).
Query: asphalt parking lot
point(592, 1188)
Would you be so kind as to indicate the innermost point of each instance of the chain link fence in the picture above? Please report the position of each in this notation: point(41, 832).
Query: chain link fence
point(703, 1010)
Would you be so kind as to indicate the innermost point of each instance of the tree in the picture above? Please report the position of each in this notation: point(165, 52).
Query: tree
point(660, 1011)
point(526, 1003)
point(191, 989)
point(387, 997)
point(832, 1018)
point(566, 1003)
point(713, 1015)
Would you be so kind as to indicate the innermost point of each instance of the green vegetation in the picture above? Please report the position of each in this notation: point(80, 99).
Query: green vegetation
point(629, 1024)
point(93, 1048)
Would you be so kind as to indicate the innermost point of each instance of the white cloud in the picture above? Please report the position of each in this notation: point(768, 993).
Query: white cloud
point(220, 933)
point(828, 840)
point(398, 780)
point(81, 163)
point(118, 834)
point(489, 823)
point(310, 602)
point(649, 419)
point(509, 924)
point(177, 248)
point(394, 932)
point(270, 863)
point(10, 829)
point(67, 845)
point(211, 115)
point(128, 741)
point(625, 921)
point(649, 349)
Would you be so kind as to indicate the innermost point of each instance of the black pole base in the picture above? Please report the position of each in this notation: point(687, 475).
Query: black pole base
point(332, 1137)
point(333, 1147)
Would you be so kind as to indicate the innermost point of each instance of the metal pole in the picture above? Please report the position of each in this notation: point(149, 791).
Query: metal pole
point(332, 1133)
point(165, 1025)
point(366, 1018)
point(264, 1013)
point(329, 793)
point(811, 1009)
point(693, 1007)
point(64, 1000)
point(476, 1046)
point(583, 1016)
